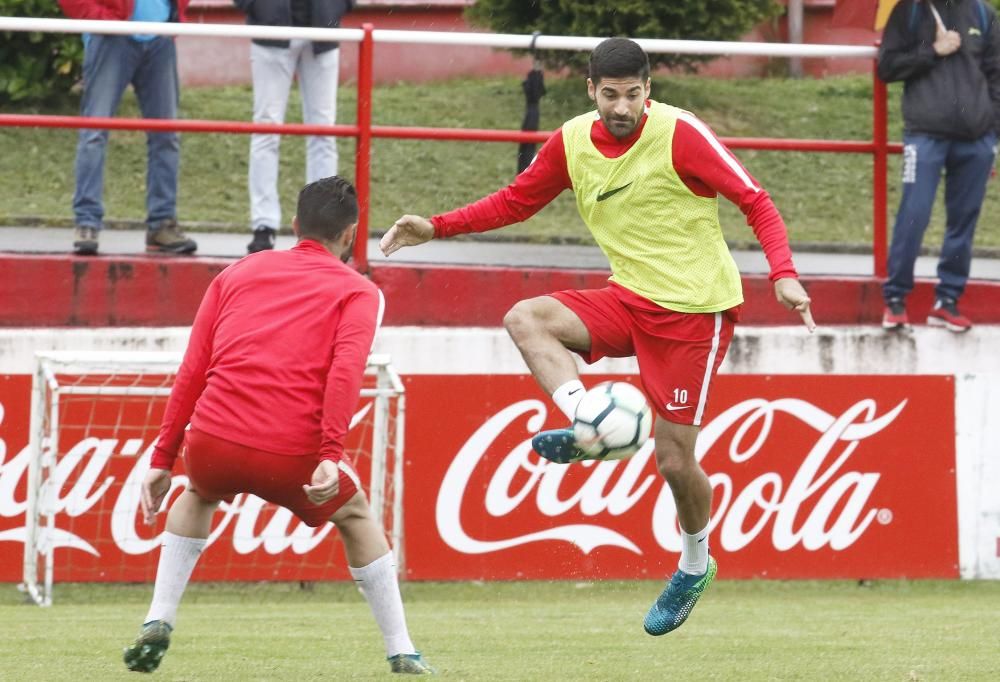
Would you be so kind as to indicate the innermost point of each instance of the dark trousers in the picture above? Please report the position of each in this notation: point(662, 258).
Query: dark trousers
point(967, 166)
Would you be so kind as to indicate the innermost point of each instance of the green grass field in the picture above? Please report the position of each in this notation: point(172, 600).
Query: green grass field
point(927, 630)
point(825, 198)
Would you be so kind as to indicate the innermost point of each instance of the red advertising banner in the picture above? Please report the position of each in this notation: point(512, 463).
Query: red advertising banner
point(813, 477)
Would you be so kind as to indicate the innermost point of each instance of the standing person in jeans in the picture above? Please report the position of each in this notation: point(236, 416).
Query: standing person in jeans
point(273, 64)
point(948, 55)
point(110, 64)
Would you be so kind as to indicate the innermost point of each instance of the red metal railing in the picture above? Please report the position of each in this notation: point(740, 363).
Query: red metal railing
point(364, 131)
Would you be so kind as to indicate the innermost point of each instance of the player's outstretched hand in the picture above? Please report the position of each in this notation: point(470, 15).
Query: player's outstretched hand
point(325, 483)
point(155, 487)
point(409, 230)
point(790, 294)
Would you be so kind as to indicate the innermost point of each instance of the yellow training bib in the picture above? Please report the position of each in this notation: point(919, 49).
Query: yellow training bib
point(663, 241)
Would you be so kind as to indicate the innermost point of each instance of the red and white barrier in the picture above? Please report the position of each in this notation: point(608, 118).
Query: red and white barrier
point(850, 453)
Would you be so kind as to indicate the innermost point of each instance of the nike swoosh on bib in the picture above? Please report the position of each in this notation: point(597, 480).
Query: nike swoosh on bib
point(612, 192)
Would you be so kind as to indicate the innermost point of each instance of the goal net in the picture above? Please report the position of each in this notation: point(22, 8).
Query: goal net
point(94, 420)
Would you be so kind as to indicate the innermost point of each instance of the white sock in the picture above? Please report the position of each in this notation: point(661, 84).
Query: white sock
point(568, 396)
point(178, 555)
point(694, 552)
point(378, 582)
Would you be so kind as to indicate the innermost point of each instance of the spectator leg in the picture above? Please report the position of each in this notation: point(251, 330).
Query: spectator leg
point(156, 85)
point(108, 64)
point(272, 69)
point(318, 83)
point(968, 171)
point(923, 159)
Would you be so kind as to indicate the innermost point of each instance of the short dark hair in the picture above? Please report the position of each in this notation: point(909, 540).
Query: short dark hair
point(618, 58)
point(326, 208)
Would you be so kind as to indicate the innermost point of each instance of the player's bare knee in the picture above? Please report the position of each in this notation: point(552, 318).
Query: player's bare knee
point(526, 320)
point(673, 461)
point(519, 321)
point(354, 511)
point(670, 466)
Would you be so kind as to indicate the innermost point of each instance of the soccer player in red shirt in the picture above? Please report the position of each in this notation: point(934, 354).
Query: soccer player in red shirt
point(646, 178)
point(269, 383)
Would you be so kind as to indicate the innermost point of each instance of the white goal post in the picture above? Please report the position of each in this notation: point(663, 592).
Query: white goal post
point(94, 421)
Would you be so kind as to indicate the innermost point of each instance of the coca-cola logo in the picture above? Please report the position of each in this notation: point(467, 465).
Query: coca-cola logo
point(82, 479)
point(824, 503)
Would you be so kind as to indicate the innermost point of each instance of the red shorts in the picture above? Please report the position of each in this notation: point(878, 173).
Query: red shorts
point(220, 469)
point(678, 353)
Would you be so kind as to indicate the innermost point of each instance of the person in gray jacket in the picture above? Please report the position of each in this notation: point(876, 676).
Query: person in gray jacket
point(947, 53)
point(274, 64)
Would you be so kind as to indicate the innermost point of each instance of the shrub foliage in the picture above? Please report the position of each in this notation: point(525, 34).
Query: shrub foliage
point(676, 19)
point(37, 67)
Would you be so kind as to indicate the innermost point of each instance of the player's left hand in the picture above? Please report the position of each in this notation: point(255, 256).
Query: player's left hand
point(155, 487)
point(325, 483)
point(790, 294)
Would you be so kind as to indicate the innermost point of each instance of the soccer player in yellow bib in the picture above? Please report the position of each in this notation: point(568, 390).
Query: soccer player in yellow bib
point(647, 177)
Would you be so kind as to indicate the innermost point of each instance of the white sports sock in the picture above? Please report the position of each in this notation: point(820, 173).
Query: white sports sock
point(694, 552)
point(178, 555)
point(378, 582)
point(568, 396)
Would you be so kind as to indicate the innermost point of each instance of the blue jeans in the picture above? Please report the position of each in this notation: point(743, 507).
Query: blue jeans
point(110, 64)
point(967, 166)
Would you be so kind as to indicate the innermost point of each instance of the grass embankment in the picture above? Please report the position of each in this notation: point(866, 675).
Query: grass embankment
point(825, 198)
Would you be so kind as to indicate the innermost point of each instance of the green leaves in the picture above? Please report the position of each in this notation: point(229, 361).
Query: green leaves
point(677, 19)
point(37, 67)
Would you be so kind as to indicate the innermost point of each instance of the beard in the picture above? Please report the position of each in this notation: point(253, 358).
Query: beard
point(621, 127)
point(346, 254)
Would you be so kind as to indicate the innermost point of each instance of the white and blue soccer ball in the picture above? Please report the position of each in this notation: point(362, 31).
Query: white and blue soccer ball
point(612, 421)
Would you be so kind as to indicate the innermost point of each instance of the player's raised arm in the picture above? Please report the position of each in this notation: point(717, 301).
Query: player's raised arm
point(532, 190)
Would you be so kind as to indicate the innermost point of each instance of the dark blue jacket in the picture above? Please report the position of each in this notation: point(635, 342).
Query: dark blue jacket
point(324, 14)
point(957, 96)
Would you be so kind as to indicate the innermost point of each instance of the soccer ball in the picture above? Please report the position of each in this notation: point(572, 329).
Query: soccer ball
point(612, 421)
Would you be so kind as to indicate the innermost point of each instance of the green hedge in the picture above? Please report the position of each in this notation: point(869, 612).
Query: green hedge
point(676, 19)
point(37, 67)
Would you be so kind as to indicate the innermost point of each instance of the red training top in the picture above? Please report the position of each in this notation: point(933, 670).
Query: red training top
point(276, 356)
point(705, 165)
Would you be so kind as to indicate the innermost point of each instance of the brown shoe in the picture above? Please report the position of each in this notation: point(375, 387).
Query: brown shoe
point(166, 237)
point(85, 241)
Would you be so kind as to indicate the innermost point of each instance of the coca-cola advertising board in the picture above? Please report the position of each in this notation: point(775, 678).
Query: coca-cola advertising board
point(813, 477)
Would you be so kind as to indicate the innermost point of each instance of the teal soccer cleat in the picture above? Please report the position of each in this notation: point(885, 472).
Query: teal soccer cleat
point(146, 652)
point(409, 664)
point(675, 604)
point(557, 445)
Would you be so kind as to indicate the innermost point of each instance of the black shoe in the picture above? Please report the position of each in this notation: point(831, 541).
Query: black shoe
point(85, 240)
point(165, 236)
point(263, 240)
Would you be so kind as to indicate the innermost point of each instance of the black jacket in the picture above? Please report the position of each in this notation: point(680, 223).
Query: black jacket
point(324, 14)
point(957, 96)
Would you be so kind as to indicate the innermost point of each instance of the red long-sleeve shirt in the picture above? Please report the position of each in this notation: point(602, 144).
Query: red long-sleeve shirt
point(703, 163)
point(276, 356)
point(111, 10)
